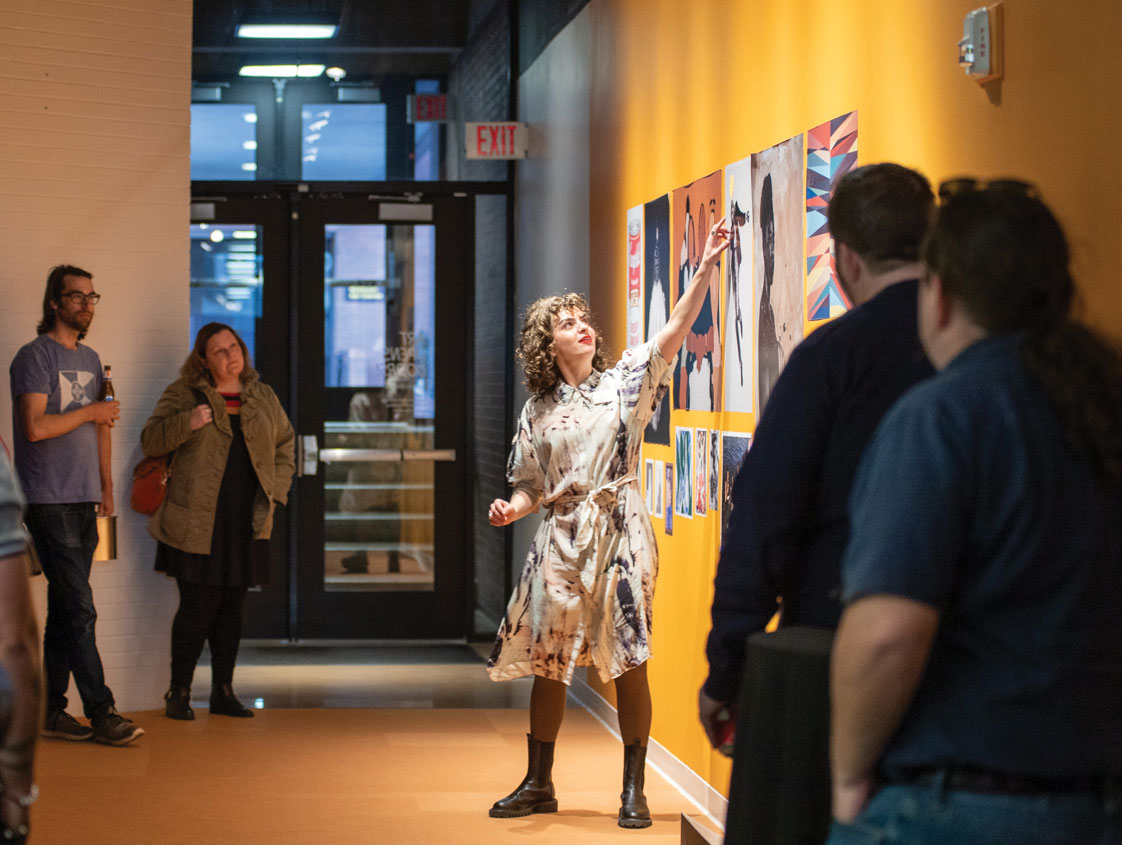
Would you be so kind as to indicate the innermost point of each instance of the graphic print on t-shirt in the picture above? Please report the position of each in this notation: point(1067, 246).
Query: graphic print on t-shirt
point(75, 389)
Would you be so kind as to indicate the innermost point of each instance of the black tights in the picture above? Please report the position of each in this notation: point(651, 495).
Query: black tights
point(206, 613)
point(633, 707)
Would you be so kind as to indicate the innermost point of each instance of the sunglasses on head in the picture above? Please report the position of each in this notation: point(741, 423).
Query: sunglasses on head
point(966, 185)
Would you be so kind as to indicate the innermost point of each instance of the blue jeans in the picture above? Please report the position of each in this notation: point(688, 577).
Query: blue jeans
point(65, 537)
point(928, 814)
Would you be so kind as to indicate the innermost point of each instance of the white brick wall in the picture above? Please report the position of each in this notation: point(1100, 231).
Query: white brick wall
point(95, 171)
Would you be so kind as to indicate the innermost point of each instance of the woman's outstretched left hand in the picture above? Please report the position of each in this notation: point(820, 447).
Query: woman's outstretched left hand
point(715, 244)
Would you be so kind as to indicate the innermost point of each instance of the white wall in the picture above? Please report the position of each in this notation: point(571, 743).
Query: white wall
point(551, 189)
point(95, 171)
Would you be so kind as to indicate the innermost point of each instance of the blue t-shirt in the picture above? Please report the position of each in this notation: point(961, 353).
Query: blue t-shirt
point(970, 499)
point(12, 538)
point(64, 469)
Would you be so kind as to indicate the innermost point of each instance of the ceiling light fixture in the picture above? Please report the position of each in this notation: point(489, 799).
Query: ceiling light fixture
point(282, 71)
point(286, 30)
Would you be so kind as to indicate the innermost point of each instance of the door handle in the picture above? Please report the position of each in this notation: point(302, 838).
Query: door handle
point(428, 454)
point(329, 456)
point(307, 455)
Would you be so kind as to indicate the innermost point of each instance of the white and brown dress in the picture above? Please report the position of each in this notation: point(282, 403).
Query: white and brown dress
point(584, 597)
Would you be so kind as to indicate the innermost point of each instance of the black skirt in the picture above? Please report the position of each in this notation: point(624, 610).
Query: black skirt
point(235, 559)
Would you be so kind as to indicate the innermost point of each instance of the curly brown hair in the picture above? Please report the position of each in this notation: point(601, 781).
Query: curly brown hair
point(535, 344)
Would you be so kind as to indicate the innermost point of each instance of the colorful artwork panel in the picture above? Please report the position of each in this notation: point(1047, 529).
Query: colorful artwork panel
point(778, 212)
point(701, 471)
point(683, 477)
point(714, 470)
point(697, 378)
point(831, 152)
point(648, 484)
point(734, 447)
point(656, 276)
point(634, 276)
point(669, 495)
point(739, 360)
point(659, 484)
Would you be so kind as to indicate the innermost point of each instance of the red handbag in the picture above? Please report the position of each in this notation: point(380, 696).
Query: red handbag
point(150, 484)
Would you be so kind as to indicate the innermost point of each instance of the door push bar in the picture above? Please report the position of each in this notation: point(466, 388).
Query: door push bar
point(310, 455)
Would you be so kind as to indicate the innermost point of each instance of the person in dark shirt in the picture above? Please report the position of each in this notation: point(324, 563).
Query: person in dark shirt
point(977, 669)
point(788, 525)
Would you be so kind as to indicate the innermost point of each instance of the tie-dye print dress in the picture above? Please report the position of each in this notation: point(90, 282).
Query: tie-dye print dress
point(585, 594)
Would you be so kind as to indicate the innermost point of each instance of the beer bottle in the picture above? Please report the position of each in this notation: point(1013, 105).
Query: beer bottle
point(108, 394)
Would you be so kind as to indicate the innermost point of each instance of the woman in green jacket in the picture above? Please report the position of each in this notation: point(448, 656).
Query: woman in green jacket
point(233, 463)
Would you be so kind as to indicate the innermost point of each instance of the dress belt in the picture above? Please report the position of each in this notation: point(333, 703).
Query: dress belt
point(991, 782)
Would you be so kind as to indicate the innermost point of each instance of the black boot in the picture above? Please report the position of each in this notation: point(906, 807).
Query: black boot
point(634, 812)
point(535, 793)
point(179, 704)
point(223, 702)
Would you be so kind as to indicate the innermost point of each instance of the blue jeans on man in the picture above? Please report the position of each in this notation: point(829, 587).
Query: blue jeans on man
point(926, 813)
point(65, 536)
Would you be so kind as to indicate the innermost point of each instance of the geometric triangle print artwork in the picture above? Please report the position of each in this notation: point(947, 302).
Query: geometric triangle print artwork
point(831, 152)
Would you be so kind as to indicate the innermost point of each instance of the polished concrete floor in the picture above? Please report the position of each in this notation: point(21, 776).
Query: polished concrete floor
point(391, 676)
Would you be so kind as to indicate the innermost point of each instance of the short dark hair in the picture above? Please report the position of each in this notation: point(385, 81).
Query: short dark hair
point(194, 369)
point(56, 281)
point(881, 212)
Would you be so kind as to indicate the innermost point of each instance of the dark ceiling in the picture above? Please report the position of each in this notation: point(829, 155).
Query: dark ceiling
point(376, 38)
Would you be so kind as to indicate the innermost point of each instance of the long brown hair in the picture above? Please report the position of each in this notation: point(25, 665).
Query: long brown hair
point(535, 344)
point(56, 281)
point(194, 369)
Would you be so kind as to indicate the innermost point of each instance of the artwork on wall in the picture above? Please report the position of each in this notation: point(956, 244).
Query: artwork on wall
point(648, 484)
point(683, 476)
point(697, 378)
point(701, 471)
point(714, 470)
point(739, 359)
point(634, 276)
point(735, 447)
point(831, 152)
point(656, 272)
point(668, 493)
point(659, 483)
point(777, 206)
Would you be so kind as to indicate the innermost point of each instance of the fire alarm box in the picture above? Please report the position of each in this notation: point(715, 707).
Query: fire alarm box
point(979, 51)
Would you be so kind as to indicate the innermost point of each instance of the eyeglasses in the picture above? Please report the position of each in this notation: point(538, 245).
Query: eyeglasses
point(967, 185)
point(78, 298)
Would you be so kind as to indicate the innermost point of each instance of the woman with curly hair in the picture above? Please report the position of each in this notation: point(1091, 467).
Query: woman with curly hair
point(585, 594)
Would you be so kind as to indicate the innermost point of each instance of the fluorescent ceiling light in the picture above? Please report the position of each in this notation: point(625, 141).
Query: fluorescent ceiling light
point(293, 30)
point(279, 71)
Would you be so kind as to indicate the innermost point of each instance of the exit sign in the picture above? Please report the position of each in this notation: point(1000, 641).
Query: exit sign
point(495, 140)
point(428, 108)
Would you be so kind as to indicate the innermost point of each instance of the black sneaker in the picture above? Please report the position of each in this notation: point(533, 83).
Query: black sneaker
point(61, 725)
point(111, 728)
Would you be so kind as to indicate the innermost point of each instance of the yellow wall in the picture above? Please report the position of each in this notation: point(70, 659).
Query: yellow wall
point(681, 89)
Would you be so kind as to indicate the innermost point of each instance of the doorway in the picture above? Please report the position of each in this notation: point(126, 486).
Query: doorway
point(356, 304)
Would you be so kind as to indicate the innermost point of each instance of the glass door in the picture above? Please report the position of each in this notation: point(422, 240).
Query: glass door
point(382, 416)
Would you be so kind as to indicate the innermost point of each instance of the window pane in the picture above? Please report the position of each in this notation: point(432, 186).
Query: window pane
point(226, 279)
point(223, 141)
point(343, 142)
point(426, 139)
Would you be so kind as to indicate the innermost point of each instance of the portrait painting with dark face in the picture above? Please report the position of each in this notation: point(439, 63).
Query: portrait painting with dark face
point(777, 187)
point(735, 447)
point(695, 209)
point(740, 359)
point(656, 272)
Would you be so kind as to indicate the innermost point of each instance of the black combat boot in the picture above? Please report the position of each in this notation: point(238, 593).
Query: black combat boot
point(634, 812)
point(223, 702)
point(535, 793)
point(179, 704)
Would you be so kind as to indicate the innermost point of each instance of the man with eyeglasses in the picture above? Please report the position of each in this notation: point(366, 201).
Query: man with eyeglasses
point(62, 455)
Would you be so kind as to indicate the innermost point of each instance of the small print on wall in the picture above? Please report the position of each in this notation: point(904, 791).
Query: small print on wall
point(656, 275)
point(634, 276)
point(740, 360)
point(668, 487)
point(648, 475)
point(683, 476)
point(697, 378)
point(831, 152)
point(777, 189)
point(659, 484)
point(700, 471)
point(735, 447)
point(714, 469)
